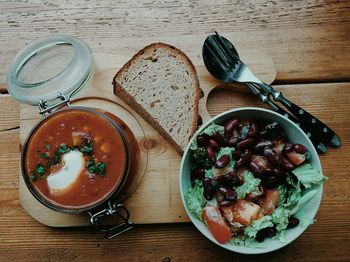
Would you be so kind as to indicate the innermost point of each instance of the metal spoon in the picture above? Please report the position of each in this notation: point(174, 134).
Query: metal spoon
point(222, 61)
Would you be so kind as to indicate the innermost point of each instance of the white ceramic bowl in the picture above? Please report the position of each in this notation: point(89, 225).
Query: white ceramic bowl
point(296, 135)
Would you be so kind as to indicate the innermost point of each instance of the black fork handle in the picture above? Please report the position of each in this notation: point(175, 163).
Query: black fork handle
point(315, 126)
point(320, 147)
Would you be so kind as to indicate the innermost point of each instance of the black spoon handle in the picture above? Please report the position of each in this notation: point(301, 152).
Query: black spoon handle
point(307, 120)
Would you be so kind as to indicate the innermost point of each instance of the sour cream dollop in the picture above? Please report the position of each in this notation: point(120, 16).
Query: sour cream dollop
point(69, 173)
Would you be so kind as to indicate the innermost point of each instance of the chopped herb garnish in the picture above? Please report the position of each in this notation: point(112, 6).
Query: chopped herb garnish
point(93, 169)
point(56, 158)
point(101, 168)
point(44, 155)
point(90, 163)
point(40, 169)
point(33, 177)
point(86, 149)
point(63, 149)
point(86, 145)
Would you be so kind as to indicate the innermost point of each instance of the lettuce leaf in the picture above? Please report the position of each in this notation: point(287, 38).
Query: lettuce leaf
point(265, 221)
point(209, 173)
point(304, 199)
point(195, 200)
point(294, 196)
point(250, 185)
point(280, 217)
point(246, 242)
point(194, 144)
point(213, 128)
point(308, 176)
point(282, 191)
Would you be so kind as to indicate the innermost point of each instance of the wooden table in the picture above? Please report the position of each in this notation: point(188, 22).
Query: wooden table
point(310, 44)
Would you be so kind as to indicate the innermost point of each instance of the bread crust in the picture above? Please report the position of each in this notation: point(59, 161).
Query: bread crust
point(124, 95)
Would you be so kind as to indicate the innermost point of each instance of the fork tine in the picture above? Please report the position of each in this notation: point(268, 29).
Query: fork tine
point(216, 53)
point(221, 63)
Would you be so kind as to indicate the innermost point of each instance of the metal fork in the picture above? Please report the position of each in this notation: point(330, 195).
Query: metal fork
point(223, 62)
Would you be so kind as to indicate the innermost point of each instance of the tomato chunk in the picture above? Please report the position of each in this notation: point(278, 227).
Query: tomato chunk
point(243, 212)
point(296, 158)
point(216, 224)
point(269, 203)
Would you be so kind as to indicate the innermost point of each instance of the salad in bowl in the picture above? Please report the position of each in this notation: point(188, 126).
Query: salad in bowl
point(251, 180)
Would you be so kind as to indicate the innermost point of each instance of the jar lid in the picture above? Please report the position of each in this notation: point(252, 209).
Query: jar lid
point(47, 67)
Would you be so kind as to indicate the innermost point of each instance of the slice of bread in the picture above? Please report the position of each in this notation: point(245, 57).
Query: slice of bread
point(161, 84)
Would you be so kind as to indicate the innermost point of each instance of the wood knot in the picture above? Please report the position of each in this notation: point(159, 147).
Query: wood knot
point(149, 143)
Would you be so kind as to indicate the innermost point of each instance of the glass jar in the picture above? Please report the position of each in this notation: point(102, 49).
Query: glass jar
point(48, 73)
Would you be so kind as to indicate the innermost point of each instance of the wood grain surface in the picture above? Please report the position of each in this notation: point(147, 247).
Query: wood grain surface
point(309, 42)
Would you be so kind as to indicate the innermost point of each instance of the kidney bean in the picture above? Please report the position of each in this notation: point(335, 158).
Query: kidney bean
point(267, 172)
point(263, 133)
point(277, 172)
point(244, 160)
point(255, 169)
point(210, 153)
point(229, 127)
point(239, 163)
point(197, 173)
point(218, 138)
point(272, 156)
point(228, 193)
point(272, 182)
point(208, 189)
point(286, 165)
point(246, 143)
point(253, 130)
point(216, 181)
point(273, 130)
point(293, 222)
point(222, 161)
point(247, 154)
point(229, 179)
point(231, 194)
point(288, 147)
point(202, 140)
point(265, 233)
point(214, 145)
point(237, 154)
point(259, 147)
point(300, 149)
point(232, 141)
point(239, 180)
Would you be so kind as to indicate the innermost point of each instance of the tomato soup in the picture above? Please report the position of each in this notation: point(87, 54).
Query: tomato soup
point(75, 159)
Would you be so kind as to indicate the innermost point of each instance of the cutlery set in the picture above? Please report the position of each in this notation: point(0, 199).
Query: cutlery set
point(223, 62)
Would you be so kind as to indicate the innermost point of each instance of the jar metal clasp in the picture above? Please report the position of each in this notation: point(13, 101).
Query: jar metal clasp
point(45, 108)
point(116, 210)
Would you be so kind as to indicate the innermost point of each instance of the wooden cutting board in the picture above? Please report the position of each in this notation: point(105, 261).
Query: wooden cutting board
point(157, 198)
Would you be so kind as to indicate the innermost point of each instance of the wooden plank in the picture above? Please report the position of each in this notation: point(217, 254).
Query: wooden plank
point(22, 238)
point(307, 39)
point(9, 112)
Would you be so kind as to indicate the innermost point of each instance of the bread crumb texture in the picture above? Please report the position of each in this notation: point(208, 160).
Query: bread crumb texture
point(163, 83)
